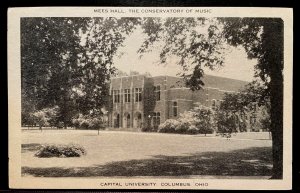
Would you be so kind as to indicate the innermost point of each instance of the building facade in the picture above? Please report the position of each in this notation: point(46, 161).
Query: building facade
point(140, 101)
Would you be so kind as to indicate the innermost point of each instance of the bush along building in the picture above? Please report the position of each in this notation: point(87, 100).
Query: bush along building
point(140, 101)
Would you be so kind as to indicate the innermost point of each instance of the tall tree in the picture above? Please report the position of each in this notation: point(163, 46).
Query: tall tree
point(200, 42)
point(49, 49)
point(253, 93)
point(263, 39)
point(103, 38)
point(68, 61)
point(244, 102)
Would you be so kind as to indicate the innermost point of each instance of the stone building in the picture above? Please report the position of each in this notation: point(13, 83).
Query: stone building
point(140, 101)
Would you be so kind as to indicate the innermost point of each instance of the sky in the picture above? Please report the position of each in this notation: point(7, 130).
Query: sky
point(236, 64)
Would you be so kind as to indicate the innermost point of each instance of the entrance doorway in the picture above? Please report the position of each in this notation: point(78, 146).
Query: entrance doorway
point(137, 120)
point(117, 120)
point(128, 121)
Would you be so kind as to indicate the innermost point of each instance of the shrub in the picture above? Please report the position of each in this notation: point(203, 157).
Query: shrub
point(182, 126)
point(243, 125)
point(88, 122)
point(192, 130)
point(199, 120)
point(46, 116)
point(188, 117)
point(226, 122)
point(149, 129)
point(71, 150)
point(95, 123)
point(265, 123)
point(206, 121)
point(60, 124)
point(256, 126)
point(168, 126)
point(205, 130)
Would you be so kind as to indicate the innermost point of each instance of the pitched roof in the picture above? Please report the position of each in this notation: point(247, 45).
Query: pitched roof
point(223, 83)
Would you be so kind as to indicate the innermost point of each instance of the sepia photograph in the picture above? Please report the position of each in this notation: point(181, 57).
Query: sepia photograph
point(151, 101)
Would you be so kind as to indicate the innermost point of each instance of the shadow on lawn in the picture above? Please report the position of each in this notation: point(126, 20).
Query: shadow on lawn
point(246, 162)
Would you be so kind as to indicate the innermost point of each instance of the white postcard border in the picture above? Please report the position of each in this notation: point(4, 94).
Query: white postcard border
point(14, 100)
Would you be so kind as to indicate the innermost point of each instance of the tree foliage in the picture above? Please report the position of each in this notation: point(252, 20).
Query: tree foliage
point(235, 106)
point(88, 122)
point(46, 117)
point(226, 122)
point(205, 119)
point(68, 61)
point(187, 39)
point(253, 93)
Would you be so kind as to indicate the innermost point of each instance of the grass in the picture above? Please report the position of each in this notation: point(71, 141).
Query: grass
point(138, 154)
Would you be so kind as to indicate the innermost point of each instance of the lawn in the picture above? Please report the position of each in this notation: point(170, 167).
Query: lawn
point(127, 154)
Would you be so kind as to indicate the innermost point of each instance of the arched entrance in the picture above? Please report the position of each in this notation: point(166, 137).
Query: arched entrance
point(137, 123)
point(127, 120)
point(116, 120)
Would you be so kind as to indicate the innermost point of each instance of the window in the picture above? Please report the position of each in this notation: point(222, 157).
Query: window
point(175, 107)
point(138, 94)
point(157, 93)
point(156, 119)
point(127, 95)
point(116, 96)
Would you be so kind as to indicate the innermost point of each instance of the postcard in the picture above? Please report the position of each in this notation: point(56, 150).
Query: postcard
point(150, 98)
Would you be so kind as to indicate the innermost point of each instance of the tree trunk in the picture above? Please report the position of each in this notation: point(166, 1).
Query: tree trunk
point(275, 60)
point(276, 89)
point(65, 124)
point(65, 111)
